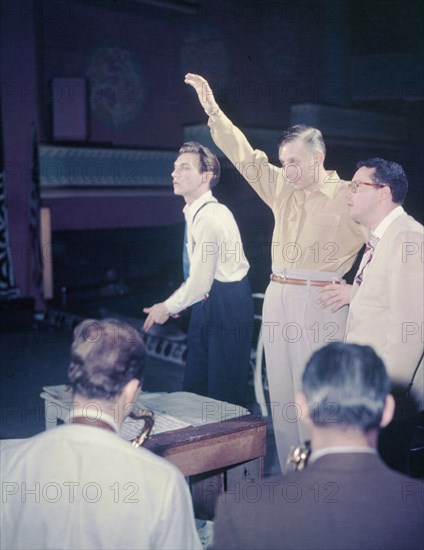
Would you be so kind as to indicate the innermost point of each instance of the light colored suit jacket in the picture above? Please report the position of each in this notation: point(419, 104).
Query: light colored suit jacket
point(386, 310)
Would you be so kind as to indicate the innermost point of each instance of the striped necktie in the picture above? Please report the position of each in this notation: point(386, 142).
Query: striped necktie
point(366, 259)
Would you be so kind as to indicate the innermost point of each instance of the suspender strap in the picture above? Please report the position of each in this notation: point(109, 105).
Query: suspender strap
point(200, 208)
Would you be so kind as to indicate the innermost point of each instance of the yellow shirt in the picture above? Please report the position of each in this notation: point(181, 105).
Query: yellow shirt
point(313, 232)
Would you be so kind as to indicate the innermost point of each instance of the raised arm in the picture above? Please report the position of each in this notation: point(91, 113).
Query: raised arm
point(252, 164)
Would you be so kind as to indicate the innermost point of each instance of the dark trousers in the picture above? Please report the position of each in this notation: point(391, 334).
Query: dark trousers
point(219, 343)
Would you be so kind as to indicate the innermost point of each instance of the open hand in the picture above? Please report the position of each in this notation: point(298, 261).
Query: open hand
point(336, 295)
point(204, 92)
point(156, 314)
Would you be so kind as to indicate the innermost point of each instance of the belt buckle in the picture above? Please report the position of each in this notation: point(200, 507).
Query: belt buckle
point(281, 277)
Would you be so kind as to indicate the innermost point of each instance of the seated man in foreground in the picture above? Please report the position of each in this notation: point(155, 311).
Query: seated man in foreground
point(346, 497)
point(80, 485)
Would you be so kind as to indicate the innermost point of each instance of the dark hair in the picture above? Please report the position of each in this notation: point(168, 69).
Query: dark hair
point(105, 356)
point(312, 137)
point(346, 384)
point(388, 173)
point(207, 160)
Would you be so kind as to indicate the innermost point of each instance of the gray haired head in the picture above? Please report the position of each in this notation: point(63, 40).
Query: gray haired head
point(346, 385)
point(312, 137)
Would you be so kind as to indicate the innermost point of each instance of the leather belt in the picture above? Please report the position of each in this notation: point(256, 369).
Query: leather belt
point(303, 282)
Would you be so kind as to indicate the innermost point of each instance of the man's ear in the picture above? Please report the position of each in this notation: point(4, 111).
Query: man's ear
point(304, 408)
point(388, 411)
point(386, 193)
point(207, 177)
point(130, 391)
point(319, 157)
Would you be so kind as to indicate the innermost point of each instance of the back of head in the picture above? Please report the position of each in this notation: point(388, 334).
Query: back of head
point(312, 137)
point(105, 356)
point(208, 162)
point(346, 386)
point(387, 172)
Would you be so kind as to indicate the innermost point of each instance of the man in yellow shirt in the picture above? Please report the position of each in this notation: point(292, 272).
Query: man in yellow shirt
point(315, 242)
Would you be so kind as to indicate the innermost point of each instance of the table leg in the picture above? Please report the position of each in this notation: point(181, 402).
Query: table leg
point(205, 489)
point(239, 481)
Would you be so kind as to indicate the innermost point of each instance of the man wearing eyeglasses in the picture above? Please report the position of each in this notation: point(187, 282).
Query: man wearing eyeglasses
point(386, 298)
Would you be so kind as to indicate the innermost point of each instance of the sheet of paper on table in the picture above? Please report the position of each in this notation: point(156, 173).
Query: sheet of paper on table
point(163, 423)
point(197, 410)
point(172, 411)
point(60, 393)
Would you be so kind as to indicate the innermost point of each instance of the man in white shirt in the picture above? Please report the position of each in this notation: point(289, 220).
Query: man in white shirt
point(221, 323)
point(345, 497)
point(81, 485)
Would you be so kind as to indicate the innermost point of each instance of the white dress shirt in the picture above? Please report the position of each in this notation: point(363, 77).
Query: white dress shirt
point(91, 414)
point(215, 251)
point(373, 242)
point(340, 450)
point(79, 486)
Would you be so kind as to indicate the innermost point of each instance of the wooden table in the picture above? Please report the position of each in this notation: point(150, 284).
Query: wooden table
point(224, 449)
point(216, 457)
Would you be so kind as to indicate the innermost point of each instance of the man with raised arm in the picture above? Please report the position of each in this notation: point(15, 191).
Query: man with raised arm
point(315, 242)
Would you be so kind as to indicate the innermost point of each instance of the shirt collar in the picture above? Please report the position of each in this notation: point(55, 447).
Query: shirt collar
point(93, 414)
point(384, 224)
point(339, 450)
point(190, 209)
point(329, 187)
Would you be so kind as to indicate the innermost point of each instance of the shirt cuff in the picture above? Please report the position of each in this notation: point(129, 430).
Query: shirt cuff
point(218, 117)
point(171, 306)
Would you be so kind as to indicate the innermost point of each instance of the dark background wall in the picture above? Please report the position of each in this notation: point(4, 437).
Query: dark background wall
point(257, 55)
point(359, 64)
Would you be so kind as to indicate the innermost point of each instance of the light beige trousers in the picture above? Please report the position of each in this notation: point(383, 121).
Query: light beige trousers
point(294, 326)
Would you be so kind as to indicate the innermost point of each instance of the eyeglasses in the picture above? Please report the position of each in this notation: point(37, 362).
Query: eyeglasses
point(353, 185)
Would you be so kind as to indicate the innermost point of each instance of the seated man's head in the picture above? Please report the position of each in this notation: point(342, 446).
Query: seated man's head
point(345, 389)
point(107, 361)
